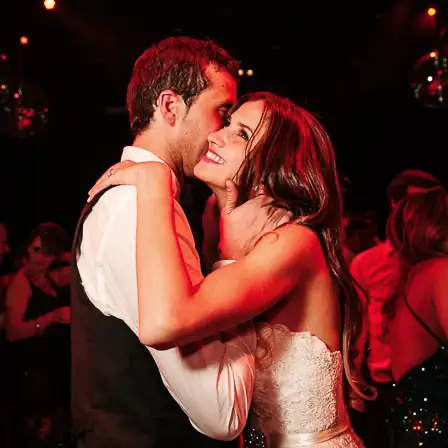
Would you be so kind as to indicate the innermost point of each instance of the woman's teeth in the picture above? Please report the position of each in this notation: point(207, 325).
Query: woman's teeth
point(217, 159)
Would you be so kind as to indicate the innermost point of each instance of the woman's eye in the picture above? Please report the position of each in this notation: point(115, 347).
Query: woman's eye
point(243, 134)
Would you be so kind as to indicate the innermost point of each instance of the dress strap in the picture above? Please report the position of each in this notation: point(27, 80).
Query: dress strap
point(423, 324)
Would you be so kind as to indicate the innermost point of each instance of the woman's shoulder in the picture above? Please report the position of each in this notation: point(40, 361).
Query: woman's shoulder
point(19, 280)
point(299, 237)
point(299, 232)
point(427, 276)
point(298, 244)
point(430, 268)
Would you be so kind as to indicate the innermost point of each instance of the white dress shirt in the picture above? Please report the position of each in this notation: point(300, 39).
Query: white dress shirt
point(213, 383)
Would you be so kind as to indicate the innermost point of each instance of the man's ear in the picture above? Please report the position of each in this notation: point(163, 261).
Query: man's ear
point(171, 106)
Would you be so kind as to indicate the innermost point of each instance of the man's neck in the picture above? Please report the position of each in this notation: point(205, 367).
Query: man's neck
point(150, 141)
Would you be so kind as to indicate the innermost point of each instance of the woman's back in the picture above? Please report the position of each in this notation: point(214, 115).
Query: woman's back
point(299, 393)
point(411, 343)
point(314, 304)
point(298, 397)
point(420, 359)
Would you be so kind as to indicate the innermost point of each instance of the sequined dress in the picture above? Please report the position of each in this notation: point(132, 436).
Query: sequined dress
point(420, 408)
point(298, 398)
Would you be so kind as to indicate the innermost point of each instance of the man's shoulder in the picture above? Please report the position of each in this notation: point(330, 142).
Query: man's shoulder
point(114, 214)
point(374, 253)
point(116, 197)
point(112, 202)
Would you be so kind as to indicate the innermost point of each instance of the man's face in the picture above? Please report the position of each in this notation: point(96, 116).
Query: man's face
point(205, 116)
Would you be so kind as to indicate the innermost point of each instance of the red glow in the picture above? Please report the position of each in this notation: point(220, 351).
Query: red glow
point(433, 54)
point(26, 112)
point(24, 40)
point(432, 12)
point(16, 96)
point(24, 123)
point(3, 57)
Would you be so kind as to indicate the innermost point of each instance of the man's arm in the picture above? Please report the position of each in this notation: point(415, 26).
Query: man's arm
point(361, 342)
point(212, 380)
point(356, 402)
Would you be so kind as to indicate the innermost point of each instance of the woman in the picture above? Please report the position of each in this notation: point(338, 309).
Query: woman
point(293, 281)
point(418, 230)
point(4, 279)
point(36, 321)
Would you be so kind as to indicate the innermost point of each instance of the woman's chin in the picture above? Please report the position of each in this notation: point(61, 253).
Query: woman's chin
point(203, 174)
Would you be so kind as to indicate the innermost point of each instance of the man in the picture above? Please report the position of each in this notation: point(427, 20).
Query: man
point(180, 91)
point(377, 272)
point(359, 233)
point(4, 279)
point(4, 243)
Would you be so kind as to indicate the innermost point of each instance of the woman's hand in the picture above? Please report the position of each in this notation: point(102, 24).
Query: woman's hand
point(130, 173)
point(242, 227)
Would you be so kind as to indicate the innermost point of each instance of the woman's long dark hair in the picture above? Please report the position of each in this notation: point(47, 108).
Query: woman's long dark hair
point(417, 229)
point(294, 162)
point(418, 225)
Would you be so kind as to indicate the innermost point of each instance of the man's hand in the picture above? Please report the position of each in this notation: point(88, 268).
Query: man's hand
point(242, 227)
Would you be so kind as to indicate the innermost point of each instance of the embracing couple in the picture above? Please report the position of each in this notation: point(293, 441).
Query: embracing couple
point(164, 356)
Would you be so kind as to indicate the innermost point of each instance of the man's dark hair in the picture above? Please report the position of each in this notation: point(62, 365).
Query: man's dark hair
point(175, 63)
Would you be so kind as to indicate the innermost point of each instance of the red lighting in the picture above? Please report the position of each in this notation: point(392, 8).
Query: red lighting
point(24, 123)
point(16, 96)
point(432, 12)
point(24, 40)
point(3, 57)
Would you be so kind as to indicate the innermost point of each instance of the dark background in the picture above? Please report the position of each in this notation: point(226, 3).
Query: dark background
point(350, 62)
